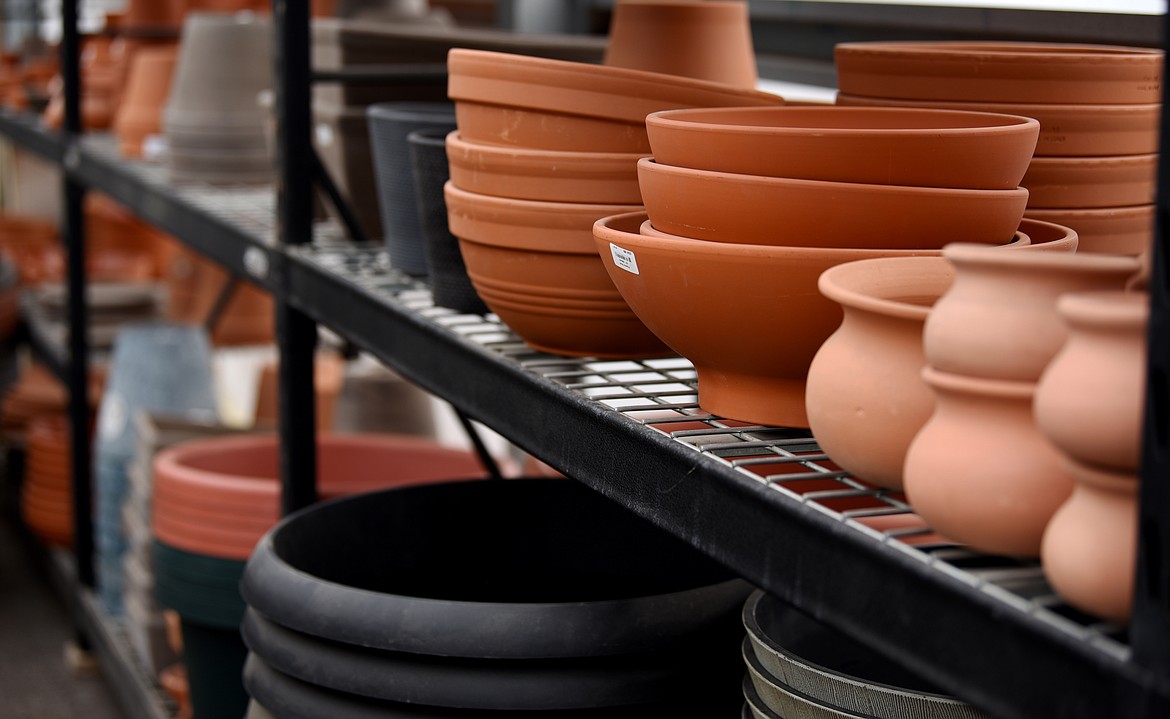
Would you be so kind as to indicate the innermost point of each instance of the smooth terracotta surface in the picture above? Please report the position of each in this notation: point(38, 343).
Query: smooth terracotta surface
point(1090, 398)
point(1090, 546)
point(540, 103)
point(1047, 237)
point(1065, 130)
point(748, 209)
point(534, 264)
point(886, 146)
point(153, 15)
point(544, 175)
point(241, 473)
point(999, 318)
point(979, 471)
point(865, 395)
point(328, 375)
point(1083, 182)
point(139, 113)
point(1001, 72)
point(194, 284)
point(1108, 230)
point(705, 40)
point(751, 365)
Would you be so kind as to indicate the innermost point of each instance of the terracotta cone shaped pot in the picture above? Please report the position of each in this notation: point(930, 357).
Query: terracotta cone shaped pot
point(980, 472)
point(140, 112)
point(705, 40)
point(865, 395)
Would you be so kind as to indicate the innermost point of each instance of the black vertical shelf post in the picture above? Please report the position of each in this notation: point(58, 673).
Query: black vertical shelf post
point(296, 332)
point(78, 365)
point(1150, 628)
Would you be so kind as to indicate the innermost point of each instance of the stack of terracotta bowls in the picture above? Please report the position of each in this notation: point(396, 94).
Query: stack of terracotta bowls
point(543, 149)
point(748, 206)
point(46, 500)
point(1098, 108)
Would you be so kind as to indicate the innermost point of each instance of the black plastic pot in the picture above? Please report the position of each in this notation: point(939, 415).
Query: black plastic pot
point(517, 569)
point(390, 123)
point(447, 273)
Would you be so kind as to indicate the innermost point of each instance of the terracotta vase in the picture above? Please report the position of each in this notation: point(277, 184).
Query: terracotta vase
point(1084, 182)
point(705, 40)
point(140, 112)
point(998, 320)
point(1090, 398)
point(980, 472)
point(865, 395)
point(1106, 230)
point(1090, 546)
point(748, 209)
point(935, 148)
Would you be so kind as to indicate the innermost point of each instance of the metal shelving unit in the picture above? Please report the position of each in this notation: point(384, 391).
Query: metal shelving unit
point(764, 501)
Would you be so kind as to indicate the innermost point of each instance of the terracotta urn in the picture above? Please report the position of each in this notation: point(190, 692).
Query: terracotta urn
point(706, 40)
point(1090, 546)
point(999, 320)
point(1106, 230)
point(1090, 398)
point(865, 395)
point(980, 472)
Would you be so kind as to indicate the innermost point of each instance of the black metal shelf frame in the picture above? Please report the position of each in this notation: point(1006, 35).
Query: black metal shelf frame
point(764, 501)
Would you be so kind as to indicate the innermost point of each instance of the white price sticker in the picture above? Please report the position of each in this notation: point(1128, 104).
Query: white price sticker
point(624, 259)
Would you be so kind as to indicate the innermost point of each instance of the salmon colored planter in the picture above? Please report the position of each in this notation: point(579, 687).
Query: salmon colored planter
point(1065, 130)
point(544, 175)
point(1109, 230)
point(1085, 182)
point(747, 209)
point(139, 114)
point(706, 40)
point(1056, 73)
point(885, 146)
point(548, 104)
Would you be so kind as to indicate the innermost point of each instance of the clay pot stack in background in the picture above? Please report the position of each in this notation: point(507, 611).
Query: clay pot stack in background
point(1098, 108)
point(195, 284)
point(545, 148)
point(46, 500)
point(748, 206)
point(138, 122)
point(99, 87)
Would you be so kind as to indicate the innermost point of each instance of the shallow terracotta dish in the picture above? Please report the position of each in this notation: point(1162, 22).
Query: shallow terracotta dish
point(1112, 230)
point(545, 175)
point(748, 209)
point(1020, 240)
point(534, 102)
point(886, 146)
point(1048, 236)
point(1001, 72)
point(535, 265)
point(1065, 130)
point(1085, 182)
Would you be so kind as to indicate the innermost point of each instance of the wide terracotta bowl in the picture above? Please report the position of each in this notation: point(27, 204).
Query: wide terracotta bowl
point(1084, 182)
point(534, 264)
point(748, 209)
point(507, 99)
point(1047, 236)
point(884, 146)
point(1020, 240)
point(1065, 130)
point(544, 175)
point(1056, 73)
point(1110, 230)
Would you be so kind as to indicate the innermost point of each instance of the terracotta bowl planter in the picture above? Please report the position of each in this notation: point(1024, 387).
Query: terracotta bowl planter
point(1048, 236)
point(708, 40)
point(747, 209)
point(544, 175)
point(534, 264)
point(1109, 230)
point(139, 114)
point(1065, 130)
point(933, 148)
point(1055, 73)
point(1090, 182)
point(240, 474)
point(547, 104)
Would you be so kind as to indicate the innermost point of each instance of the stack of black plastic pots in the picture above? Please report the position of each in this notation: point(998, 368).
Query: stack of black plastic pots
point(487, 598)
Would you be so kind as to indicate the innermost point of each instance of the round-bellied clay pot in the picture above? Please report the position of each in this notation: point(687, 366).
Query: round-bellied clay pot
point(544, 175)
point(534, 264)
point(995, 501)
point(1065, 130)
point(1090, 546)
point(139, 113)
point(865, 396)
point(1084, 182)
point(507, 99)
point(749, 209)
point(1090, 398)
point(1106, 230)
point(934, 148)
point(998, 320)
point(705, 40)
point(1056, 73)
